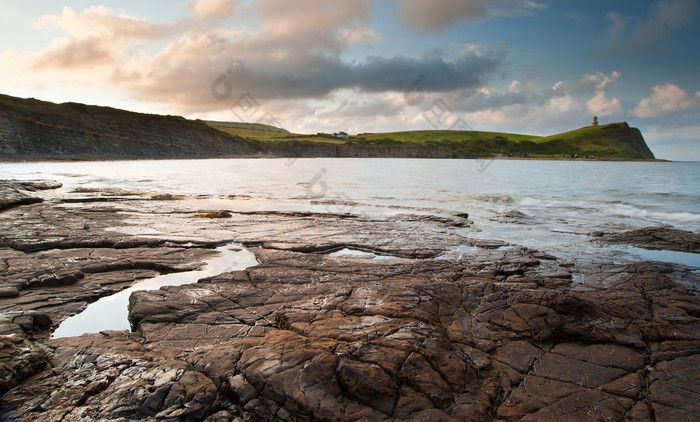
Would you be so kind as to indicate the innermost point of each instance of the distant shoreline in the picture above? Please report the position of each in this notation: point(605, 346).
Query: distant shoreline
point(263, 156)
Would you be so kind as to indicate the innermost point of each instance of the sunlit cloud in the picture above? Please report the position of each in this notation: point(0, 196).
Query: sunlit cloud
point(218, 9)
point(664, 100)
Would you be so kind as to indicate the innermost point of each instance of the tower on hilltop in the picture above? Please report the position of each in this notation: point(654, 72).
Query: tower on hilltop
point(595, 121)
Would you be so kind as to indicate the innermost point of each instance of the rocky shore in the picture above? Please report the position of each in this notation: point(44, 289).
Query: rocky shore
point(414, 329)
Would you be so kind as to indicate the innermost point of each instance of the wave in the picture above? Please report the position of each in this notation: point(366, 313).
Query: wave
point(673, 196)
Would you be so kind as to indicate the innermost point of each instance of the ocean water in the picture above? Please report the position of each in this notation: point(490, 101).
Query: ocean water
point(547, 205)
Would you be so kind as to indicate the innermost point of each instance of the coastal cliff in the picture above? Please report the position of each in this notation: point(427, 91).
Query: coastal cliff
point(37, 130)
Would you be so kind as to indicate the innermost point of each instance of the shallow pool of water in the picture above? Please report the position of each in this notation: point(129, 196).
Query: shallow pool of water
point(688, 259)
point(356, 253)
point(111, 313)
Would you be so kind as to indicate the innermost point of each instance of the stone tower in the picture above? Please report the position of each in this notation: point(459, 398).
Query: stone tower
point(595, 121)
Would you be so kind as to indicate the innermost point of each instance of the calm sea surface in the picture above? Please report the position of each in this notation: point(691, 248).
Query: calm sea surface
point(547, 205)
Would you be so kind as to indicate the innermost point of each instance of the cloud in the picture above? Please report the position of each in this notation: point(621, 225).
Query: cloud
point(600, 105)
point(523, 107)
point(100, 36)
point(665, 99)
point(296, 54)
point(218, 9)
point(105, 23)
point(430, 16)
point(600, 80)
point(638, 36)
point(189, 68)
point(67, 54)
point(306, 25)
point(359, 34)
point(514, 86)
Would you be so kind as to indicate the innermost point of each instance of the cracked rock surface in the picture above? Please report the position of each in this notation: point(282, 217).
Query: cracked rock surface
point(423, 334)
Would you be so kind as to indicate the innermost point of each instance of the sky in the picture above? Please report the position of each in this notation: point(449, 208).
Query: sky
point(537, 67)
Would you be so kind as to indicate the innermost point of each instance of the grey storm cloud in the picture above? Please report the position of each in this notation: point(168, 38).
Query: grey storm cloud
point(316, 77)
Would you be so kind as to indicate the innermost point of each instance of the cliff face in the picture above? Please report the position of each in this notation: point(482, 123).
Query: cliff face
point(617, 140)
point(638, 144)
point(391, 149)
point(36, 130)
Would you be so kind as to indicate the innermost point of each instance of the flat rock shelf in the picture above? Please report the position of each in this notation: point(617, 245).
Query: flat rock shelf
point(450, 327)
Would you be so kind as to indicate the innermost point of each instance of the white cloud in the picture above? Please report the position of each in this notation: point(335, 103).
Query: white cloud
point(98, 37)
point(600, 105)
point(219, 9)
point(105, 23)
point(599, 80)
point(665, 99)
point(561, 87)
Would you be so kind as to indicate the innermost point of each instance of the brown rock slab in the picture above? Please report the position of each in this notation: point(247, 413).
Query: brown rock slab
point(657, 238)
point(502, 334)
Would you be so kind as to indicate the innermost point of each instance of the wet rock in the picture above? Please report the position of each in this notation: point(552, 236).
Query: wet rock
point(368, 384)
point(14, 192)
point(214, 214)
point(673, 389)
point(657, 238)
point(242, 392)
point(513, 217)
point(8, 291)
point(111, 378)
point(433, 342)
point(19, 359)
point(496, 333)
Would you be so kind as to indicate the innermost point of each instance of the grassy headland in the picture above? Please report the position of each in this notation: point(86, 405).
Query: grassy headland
point(611, 141)
point(38, 130)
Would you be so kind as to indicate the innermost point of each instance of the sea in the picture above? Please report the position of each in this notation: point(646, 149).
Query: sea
point(549, 205)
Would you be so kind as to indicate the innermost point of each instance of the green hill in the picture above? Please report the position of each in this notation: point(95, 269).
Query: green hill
point(427, 136)
point(617, 140)
point(612, 141)
point(38, 130)
point(248, 130)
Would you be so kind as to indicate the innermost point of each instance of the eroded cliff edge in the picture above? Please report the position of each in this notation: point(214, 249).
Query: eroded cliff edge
point(38, 130)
